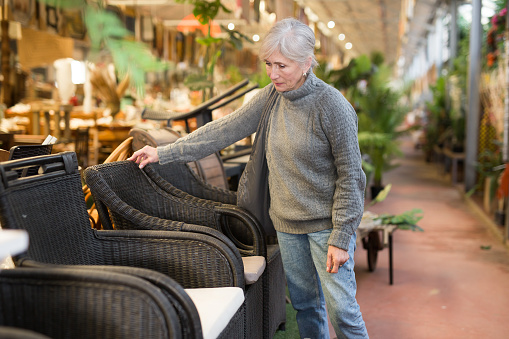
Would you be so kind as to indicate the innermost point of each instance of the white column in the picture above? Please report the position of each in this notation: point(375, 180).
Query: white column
point(474, 72)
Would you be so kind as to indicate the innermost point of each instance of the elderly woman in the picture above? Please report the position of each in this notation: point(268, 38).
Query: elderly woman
point(316, 182)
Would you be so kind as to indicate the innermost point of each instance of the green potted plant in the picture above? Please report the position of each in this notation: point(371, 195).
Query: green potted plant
point(438, 119)
point(381, 116)
point(205, 12)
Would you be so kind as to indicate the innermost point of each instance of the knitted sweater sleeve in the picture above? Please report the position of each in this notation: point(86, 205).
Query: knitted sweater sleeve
point(217, 134)
point(340, 126)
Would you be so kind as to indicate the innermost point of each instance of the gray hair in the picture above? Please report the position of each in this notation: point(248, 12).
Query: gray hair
point(293, 39)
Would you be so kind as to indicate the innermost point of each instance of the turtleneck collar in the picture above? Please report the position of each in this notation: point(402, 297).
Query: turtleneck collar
point(306, 88)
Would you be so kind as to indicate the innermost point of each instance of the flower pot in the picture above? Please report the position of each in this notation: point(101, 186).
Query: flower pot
point(375, 190)
point(500, 218)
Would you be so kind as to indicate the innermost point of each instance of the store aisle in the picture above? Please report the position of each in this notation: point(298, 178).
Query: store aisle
point(445, 284)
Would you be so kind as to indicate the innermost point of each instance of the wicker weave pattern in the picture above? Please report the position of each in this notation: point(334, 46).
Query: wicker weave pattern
point(182, 303)
point(174, 178)
point(64, 303)
point(122, 185)
point(182, 177)
point(52, 209)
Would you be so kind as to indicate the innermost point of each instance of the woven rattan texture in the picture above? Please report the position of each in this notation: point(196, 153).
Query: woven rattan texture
point(182, 177)
point(174, 178)
point(64, 303)
point(53, 211)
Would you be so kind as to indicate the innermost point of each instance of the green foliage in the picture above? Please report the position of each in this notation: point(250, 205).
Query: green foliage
point(381, 115)
point(405, 221)
point(66, 4)
point(381, 195)
point(349, 76)
point(261, 78)
point(205, 12)
point(381, 148)
point(235, 38)
point(438, 116)
point(489, 164)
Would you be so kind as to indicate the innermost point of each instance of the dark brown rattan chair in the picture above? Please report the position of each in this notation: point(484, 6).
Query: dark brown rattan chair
point(120, 183)
point(124, 195)
point(86, 303)
point(178, 179)
point(51, 207)
point(27, 151)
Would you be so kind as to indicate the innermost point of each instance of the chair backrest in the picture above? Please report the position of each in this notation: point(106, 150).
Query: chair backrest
point(80, 303)
point(184, 178)
point(81, 145)
point(27, 151)
point(210, 168)
point(50, 206)
point(122, 182)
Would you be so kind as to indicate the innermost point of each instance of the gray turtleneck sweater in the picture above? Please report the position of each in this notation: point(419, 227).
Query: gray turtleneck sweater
point(315, 177)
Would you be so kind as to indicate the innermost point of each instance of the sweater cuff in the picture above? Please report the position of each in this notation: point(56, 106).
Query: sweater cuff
point(165, 154)
point(339, 239)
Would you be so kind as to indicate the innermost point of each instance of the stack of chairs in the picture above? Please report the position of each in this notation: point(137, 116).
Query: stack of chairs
point(51, 207)
point(123, 193)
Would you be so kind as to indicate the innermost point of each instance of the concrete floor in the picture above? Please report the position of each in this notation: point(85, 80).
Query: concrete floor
point(445, 284)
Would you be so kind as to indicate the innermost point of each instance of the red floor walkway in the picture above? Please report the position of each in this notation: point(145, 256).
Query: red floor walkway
point(445, 285)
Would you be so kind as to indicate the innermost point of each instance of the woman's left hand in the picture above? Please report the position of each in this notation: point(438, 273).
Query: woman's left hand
point(336, 257)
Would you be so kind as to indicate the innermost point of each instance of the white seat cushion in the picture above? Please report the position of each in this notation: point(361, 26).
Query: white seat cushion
point(253, 268)
point(216, 306)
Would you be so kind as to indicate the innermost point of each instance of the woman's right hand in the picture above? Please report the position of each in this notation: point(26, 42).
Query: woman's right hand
point(145, 156)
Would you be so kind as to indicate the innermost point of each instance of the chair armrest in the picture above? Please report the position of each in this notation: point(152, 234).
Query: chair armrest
point(181, 301)
point(193, 260)
point(259, 246)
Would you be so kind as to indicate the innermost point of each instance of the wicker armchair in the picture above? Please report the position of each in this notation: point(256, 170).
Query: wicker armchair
point(188, 309)
point(178, 179)
point(118, 184)
point(124, 196)
point(85, 303)
point(51, 207)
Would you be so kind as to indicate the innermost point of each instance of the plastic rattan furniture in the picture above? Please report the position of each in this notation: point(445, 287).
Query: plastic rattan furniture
point(124, 196)
point(51, 207)
point(119, 183)
point(79, 303)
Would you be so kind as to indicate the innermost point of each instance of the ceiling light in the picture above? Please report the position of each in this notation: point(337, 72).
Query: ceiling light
point(341, 37)
point(231, 26)
point(331, 24)
point(348, 45)
point(256, 37)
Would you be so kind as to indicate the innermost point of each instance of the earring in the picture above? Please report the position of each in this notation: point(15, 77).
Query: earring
point(304, 74)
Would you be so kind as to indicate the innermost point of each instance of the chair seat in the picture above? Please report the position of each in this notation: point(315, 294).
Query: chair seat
point(253, 268)
point(216, 306)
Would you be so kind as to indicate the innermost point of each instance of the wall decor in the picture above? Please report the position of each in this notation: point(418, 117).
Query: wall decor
point(52, 17)
point(74, 23)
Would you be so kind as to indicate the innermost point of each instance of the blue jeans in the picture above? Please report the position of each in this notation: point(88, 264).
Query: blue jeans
point(311, 287)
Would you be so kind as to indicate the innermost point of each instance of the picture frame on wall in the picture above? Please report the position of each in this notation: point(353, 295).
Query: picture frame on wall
point(74, 23)
point(52, 17)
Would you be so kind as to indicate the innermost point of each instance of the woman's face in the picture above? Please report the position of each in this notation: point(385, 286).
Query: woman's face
point(285, 74)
